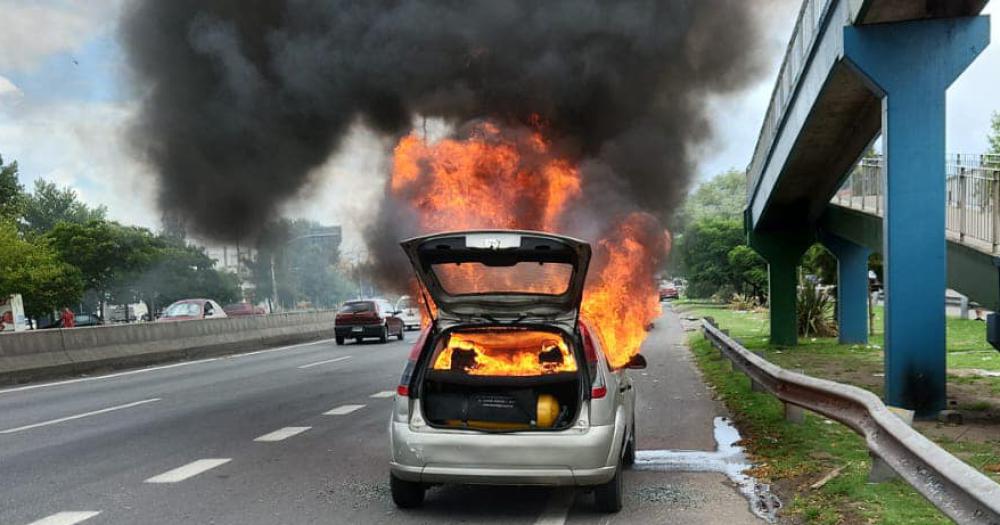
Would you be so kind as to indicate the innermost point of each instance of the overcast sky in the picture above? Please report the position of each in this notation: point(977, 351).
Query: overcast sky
point(65, 99)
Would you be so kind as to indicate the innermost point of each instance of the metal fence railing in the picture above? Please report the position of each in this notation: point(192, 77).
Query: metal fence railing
point(807, 29)
point(972, 202)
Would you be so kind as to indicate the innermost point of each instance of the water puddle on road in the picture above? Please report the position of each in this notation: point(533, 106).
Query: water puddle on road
point(727, 459)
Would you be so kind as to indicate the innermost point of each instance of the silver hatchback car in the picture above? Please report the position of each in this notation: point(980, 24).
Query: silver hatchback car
point(507, 385)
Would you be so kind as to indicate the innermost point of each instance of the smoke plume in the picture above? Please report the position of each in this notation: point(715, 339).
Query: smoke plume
point(242, 99)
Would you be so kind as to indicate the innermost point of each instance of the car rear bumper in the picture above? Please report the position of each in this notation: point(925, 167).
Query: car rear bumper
point(573, 457)
point(367, 330)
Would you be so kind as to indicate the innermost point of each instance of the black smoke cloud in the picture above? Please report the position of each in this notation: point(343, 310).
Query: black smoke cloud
point(242, 99)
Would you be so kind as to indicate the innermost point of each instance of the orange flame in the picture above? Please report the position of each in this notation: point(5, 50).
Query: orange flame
point(498, 179)
point(507, 353)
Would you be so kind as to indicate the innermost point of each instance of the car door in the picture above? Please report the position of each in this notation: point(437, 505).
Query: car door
point(391, 319)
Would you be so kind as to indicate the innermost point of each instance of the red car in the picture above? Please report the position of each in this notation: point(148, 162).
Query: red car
point(373, 318)
point(668, 291)
point(239, 309)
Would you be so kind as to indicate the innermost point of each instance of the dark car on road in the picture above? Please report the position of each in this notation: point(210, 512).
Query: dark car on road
point(371, 318)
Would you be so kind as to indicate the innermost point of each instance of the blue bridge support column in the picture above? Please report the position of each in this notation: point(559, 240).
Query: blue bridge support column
point(783, 252)
point(911, 64)
point(852, 287)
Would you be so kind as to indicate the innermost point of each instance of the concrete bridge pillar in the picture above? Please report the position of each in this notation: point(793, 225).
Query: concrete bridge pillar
point(782, 251)
point(911, 64)
point(852, 287)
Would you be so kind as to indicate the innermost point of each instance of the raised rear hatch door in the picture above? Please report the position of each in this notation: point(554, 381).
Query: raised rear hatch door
point(501, 275)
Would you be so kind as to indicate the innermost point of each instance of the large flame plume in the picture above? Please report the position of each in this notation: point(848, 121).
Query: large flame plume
point(500, 178)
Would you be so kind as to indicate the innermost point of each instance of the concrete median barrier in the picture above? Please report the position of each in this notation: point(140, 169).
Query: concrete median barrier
point(28, 356)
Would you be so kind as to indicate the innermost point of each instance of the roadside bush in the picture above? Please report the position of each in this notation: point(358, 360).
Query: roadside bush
point(815, 311)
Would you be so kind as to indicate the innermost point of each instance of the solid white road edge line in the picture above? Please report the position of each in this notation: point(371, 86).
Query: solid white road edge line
point(310, 365)
point(343, 410)
point(282, 434)
point(67, 518)
point(187, 471)
point(557, 509)
point(79, 416)
point(384, 393)
point(155, 368)
point(108, 376)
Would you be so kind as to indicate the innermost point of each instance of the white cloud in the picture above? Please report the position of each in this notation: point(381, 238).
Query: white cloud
point(10, 95)
point(34, 30)
point(82, 145)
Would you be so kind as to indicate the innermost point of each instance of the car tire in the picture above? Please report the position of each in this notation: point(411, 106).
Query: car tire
point(628, 459)
point(406, 494)
point(384, 337)
point(609, 496)
point(340, 340)
point(357, 340)
point(402, 333)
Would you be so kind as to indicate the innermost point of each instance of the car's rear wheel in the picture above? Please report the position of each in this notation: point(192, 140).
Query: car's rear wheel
point(384, 336)
point(609, 496)
point(358, 340)
point(340, 340)
point(406, 494)
point(402, 333)
point(628, 459)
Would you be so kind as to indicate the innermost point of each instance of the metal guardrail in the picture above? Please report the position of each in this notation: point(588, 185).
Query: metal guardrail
point(972, 196)
point(958, 490)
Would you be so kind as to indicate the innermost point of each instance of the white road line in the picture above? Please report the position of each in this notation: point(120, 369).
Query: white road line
point(78, 416)
point(384, 393)
point(66, 518)
point(187, 471)
point(343, 410)
point(282, 434)
point(156, 368)
point(310, 365)
point(557, 509)
point(109, 376)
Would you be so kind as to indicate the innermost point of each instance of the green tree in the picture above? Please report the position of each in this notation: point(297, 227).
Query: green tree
point(821, 263)
point(749, 272)
point(49, 205)
point(34, 270)
point(704, 254)
point(722, 196)
point(178, 271)
point(106, 253)
point(995, 134)
point(12, 199)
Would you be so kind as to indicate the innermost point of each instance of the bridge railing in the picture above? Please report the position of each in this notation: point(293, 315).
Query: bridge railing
point(972, 200)
point(807, 29)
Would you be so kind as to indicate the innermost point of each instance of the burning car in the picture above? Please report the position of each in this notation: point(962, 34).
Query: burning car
point(507, 385)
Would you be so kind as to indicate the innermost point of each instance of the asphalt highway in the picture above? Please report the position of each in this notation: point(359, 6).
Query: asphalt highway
point(298, 435)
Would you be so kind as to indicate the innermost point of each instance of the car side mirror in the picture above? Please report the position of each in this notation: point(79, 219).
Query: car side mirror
point(397, 312)
point(637, 362)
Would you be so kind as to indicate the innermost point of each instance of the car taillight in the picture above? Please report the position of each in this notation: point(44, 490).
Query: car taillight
point(404, 381)
point(403, 390)
point(598, 392)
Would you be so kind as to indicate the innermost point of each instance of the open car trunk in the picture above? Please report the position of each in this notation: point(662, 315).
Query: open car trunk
point(501, 378)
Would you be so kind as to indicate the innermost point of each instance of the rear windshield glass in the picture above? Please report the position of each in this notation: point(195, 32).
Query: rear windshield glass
point(353, 308)
point(524, 277)
point(182, 310)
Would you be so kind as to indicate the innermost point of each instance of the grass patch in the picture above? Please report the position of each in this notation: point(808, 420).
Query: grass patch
point(793, 457)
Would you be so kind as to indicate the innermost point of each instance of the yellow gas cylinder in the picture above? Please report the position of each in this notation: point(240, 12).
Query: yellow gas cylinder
point(548, 410)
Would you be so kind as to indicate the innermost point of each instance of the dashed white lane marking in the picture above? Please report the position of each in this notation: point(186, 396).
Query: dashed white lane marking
point(343, 410)
point(384, 393)
point(66, 518)
point(557, 509)
point(78, 416)
point(282, 434)
point(317, 363)
point(187, 471)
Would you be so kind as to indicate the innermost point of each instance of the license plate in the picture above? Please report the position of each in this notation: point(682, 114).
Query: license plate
point(357, 329)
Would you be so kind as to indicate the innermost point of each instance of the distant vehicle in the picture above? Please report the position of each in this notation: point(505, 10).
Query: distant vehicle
point(507, 385)
point(372, 318)
point(241, 309)
point(409, 312)
point(80, 320)
point(668, 290)
point(191, 309)
point(126, 313)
